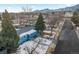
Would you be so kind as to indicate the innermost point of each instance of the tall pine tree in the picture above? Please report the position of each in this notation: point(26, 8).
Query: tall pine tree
point(40, 24)
point(75, 18)
point(9, 36)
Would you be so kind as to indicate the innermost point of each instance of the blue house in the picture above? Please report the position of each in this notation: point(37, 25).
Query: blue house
point(26, 36)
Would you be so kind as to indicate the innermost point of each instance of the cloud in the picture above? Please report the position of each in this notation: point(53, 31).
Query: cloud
point(70, 4)
point(38, 1)
point(10, 9)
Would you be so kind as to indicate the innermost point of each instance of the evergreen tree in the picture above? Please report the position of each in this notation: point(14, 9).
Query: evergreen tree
point(0, 17)
point(75, 18)
point(40, 24)
point(9, 36)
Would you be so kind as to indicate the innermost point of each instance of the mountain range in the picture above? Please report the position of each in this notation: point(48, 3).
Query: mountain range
point(72, 8)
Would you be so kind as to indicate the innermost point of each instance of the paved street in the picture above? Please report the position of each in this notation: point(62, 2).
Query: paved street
point(68, 41)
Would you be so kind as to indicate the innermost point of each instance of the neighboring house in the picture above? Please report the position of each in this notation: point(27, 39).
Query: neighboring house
point(24, 19)
point(68, 14)
point(30, 18)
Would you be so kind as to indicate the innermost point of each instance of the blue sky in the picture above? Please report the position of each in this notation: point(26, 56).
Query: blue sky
point(18, 7)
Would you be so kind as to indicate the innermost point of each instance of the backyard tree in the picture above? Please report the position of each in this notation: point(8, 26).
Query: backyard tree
point(40, 24)
point(0, 17)
point(52, 22)
point(75, 18)
point(9, 38)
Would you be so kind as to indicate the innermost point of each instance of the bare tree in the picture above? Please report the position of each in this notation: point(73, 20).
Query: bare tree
point(24, 9)
point(52, 22)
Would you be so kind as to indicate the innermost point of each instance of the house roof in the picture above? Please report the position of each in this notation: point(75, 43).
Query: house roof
point(28, 32)
point(24, 29)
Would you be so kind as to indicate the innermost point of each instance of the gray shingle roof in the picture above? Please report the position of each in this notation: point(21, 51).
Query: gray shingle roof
point(24, 29)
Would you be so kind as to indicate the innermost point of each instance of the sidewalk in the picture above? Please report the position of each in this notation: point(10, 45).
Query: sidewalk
point(77, 32)
point(76, 29)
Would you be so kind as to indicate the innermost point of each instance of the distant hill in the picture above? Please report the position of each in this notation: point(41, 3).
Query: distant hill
point(72, 8)
point(44, 10)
